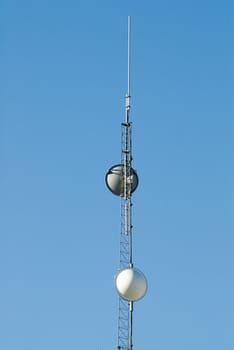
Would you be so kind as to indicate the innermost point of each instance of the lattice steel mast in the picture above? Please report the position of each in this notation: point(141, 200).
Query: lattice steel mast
point(125, 319)
point(122, 180)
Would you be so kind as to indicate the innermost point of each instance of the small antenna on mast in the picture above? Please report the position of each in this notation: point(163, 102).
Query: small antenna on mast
point(129, 62)
point(129, 52)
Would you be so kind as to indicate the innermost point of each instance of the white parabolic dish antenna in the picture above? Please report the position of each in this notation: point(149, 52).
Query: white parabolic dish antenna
point(131, 284)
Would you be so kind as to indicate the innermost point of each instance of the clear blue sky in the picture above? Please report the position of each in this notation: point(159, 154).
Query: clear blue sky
point(63, 80)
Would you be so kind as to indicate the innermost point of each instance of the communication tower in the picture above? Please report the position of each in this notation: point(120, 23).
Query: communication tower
point(122, 180)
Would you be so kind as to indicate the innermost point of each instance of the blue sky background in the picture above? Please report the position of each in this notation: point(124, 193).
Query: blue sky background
point(63, 82)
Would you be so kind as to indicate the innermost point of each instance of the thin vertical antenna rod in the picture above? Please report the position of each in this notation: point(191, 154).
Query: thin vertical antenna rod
point(129, 53)
point(129, 71)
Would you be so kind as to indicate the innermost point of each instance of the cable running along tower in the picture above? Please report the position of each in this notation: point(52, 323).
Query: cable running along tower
point(122, 180)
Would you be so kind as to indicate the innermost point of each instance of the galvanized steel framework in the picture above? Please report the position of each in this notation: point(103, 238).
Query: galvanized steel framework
point(125, 319)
